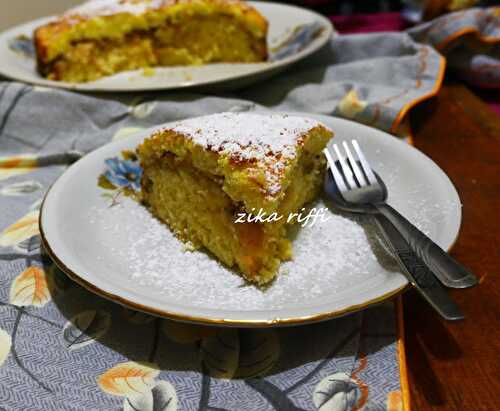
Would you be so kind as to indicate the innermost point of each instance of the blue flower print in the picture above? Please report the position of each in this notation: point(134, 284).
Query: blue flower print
point(123, 173)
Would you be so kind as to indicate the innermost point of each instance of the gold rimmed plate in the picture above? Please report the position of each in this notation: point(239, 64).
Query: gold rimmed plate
point(294, 34)
point(110, 244)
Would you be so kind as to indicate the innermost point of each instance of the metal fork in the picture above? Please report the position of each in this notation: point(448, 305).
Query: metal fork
point(358, 185)
point(361, 185)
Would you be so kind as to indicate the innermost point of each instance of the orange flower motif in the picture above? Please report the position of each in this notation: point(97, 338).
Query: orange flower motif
point(351, 105)
point(15, 165)
point(21, 230)
point(129, 378)
point(30, 288)
point(5, 344)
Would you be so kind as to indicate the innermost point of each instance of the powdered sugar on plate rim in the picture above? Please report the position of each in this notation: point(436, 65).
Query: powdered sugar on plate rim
point(91, 241)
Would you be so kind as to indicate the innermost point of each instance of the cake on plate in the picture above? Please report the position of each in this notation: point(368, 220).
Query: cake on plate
point(104, 37)
point(202, 175)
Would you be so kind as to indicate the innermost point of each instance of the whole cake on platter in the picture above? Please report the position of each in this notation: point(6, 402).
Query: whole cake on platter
point(201, 175)
point(104, 37)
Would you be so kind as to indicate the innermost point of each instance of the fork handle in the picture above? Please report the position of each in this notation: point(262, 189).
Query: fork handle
point(417, 273)
point(448, 270)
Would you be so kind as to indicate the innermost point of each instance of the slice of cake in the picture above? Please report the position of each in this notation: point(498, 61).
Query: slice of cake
point(202, 175)
point(103, 37)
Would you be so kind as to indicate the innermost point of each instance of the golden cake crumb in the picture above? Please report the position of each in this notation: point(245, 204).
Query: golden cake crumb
point(202, 174)
point(104, 37)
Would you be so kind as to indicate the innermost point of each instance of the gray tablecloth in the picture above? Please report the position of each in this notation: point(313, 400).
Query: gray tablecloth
point(62, 348)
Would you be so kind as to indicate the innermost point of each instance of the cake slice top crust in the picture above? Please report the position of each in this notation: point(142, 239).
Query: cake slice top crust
point(95, 8)
point(101, 8)
point(113, 19)
point(253, 156)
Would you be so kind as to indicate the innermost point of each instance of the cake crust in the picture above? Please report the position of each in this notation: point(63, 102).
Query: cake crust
point(159, 24)
point(259, 151)
point(201, 173)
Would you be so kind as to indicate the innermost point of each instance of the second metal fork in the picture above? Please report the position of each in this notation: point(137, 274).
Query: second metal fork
point(358, 185)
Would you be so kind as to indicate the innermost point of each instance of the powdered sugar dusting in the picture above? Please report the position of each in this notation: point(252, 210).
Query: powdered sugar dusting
point(123, 250)
point(331, 259)
point(328, 258)
point(247, 135)
point(269, 139)
point(96, 8)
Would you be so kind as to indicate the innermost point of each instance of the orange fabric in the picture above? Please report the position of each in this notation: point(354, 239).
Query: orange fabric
point(435, 90)
point(403, 374)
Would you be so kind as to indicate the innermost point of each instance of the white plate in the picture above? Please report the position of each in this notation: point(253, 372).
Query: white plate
point(124, 254)
point(283, 20)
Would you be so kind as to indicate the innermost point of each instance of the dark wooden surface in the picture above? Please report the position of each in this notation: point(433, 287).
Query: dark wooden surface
point(456, 366)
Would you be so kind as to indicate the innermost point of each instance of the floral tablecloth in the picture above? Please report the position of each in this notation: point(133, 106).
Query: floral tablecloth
point(63, 348)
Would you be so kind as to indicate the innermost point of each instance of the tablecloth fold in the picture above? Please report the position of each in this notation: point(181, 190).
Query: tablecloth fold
point(62, 348)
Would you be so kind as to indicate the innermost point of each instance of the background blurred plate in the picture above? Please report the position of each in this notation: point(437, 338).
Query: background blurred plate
point(338, 270)
point(302, 31)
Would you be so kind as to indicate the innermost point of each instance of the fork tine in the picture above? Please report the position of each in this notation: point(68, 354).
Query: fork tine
point(335, 172)
point(354, 165)
point(346, 170)
point(364, 163)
